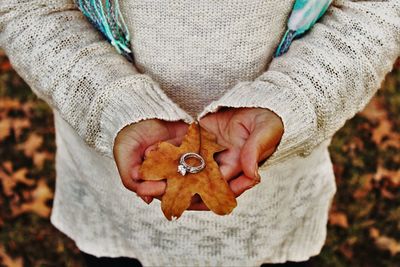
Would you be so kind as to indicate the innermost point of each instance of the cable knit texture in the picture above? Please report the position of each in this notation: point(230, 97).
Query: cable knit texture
point(191, 58)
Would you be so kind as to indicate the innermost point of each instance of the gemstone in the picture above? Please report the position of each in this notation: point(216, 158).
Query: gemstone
point(182, 169)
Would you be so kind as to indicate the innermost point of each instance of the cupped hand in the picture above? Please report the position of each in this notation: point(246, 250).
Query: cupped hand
point(251, 136)
point(134, 142)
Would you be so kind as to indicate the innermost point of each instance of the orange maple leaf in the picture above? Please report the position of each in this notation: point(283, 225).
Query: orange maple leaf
point(162, 163)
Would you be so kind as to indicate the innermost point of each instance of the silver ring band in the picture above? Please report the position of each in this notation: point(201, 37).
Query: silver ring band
point(183, 167)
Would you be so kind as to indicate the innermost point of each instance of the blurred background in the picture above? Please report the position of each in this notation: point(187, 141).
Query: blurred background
point(364, 221)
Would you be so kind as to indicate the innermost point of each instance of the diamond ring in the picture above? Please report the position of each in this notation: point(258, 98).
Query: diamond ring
point(183, 167)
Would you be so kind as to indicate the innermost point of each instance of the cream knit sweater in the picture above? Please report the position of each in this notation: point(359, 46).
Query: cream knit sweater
point(192, 57)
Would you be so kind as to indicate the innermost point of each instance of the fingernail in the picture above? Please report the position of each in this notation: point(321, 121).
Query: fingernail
point(252, 185)
point(148, 200)
point(256, 174)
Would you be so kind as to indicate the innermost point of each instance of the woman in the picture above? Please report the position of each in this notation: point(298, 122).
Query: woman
point(211, 61)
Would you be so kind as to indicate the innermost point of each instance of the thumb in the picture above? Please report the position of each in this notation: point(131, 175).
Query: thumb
point(261, 143)
point(126, 156)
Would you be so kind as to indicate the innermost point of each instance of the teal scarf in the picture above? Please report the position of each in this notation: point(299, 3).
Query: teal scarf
point(109, 21)
point(106, 16)
point(304, 15)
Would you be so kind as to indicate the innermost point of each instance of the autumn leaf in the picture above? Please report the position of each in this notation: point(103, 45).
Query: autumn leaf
point(30, 146)
point(39, 158)
point(384, 242)
point(374, 232)
point(5, 66)
point(387, 243)
point(392, 175)
point(8, 261)
point(162, 162)
point(9, 123)
point(8, 166)
point(384, 134)
point(7, 104)
point(7, 183)
point(5, 128)
point(365, 186)
point(338, 219)
point(21, 177)
point(9, 180)
point(19, 125)
point(37, 204)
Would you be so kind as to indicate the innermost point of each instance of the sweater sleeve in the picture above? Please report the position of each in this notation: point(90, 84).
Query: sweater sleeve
point(69, 65)
point(326, 77)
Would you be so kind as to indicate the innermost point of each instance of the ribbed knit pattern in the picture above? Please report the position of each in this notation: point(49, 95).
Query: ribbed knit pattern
point(193, 57)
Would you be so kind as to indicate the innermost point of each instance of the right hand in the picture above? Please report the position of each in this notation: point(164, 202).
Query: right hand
point(131, 145)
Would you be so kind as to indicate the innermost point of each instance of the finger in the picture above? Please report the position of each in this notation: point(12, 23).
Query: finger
point(128, 160)
point(130, 184)
point(147, 199)
point(198, 206)
point(177, 129)
point(175, 140)
point(260, 144)
point(208, 123)
point(135, 173)
point(229, 163)
point(147, 139)
point(197, 203)
point(151, 188)
point(241, 184)
point(126, 156)
point(196, 199)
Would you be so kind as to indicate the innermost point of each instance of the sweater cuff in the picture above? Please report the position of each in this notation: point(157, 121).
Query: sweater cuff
point(297, 114)
point(131, 100)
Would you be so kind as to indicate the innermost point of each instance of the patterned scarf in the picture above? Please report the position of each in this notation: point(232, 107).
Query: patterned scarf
point(106, 16)
point(304, 15)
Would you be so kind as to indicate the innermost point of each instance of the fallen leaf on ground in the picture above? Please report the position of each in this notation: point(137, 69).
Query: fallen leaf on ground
point(7, 260)
point(384, 134)
point(9, 181)
point(387, 243)
point(365, 186)
point(39, 158)
point(346, 250)
point(384, 242)
point(8, 166)
point(339, 219)
point(30, 146)
point(20, 176)
point(393, 176)
point(374, 232)
point(162, 162)
point(5, 128)
point(19, 125)
point(37, 204)
point(7, 103)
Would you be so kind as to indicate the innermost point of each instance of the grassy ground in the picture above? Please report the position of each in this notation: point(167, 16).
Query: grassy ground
point(364, 225)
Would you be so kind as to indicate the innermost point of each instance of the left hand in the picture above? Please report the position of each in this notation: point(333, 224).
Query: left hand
point(251, 136)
